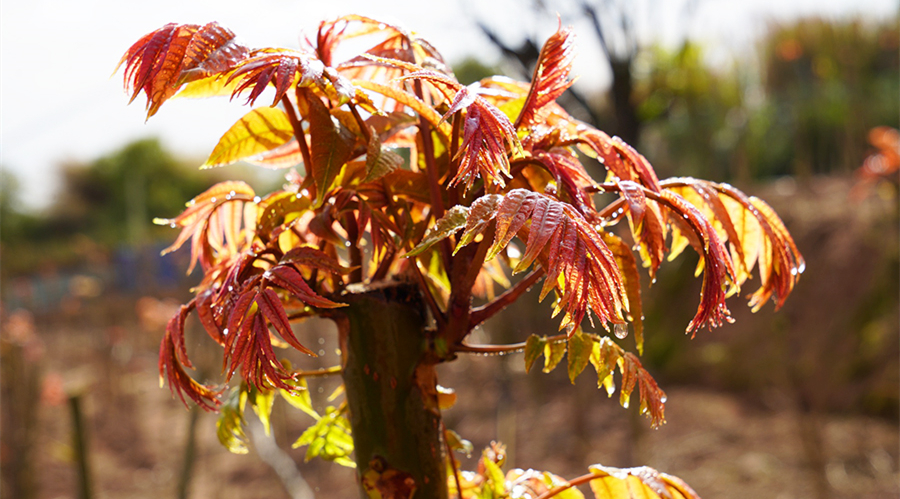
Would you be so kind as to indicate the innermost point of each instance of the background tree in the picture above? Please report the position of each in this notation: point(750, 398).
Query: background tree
point(399, 157)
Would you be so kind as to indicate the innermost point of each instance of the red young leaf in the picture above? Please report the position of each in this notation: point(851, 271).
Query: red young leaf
point(569, 247)
point(213, 221)
point(283, 68)
point(551, 75)
point(173, 359)
point(487, 133)
point(163, 60)
point(757, 237)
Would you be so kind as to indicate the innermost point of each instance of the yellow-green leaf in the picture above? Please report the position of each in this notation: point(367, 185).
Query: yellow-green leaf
point(300, 398)
point(495, 477)
point(451, 222)
point(553, 353)
point(604, 357)
point(229, 426)
point(534, 347)
point(261, 401)
point(260, 130)
point(380, 162)
point(580, 349)
point(212, 86)
point(329, 438)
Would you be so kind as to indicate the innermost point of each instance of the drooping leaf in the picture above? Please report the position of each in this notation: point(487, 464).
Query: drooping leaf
point(299, 397)
point(173, 359)
point(619, 158)
point(261, 401)
point(632, 281)
point(206, 227)
point(230, 425)
point(580, 348)
point(409, 100)
point(534, 348)
point(261, 130)
point(553, 354)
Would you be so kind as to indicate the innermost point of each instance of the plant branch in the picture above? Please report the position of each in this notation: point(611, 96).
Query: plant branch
point(503, 349)
point(298, 131)
point(318, 373)
point(429, 298)
point(452, 460)
point(509, 296)
point(362, 124)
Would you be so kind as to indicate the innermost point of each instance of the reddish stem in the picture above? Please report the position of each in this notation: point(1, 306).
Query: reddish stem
point(509, 296)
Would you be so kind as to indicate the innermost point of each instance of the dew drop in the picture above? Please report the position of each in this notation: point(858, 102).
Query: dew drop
point(213, 200)
point(347, 243)
point(663, 399)
point(230, 288)
point(172, 225)
point(304, 192)
point(794, 271)
point(257, 199)
point(225, 332)
point(621, 331)
point(801, 268)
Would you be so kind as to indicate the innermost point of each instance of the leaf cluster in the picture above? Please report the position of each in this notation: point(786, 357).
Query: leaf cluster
point(388, 157)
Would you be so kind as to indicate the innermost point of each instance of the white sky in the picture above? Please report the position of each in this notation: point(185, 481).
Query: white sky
point(58, 102)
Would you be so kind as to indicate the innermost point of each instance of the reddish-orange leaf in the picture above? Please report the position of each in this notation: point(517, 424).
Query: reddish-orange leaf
point(718, 271)
point(287, 278)
point(283, 68)
point(619, 158)
point(566, 244)
point(163, 60)
point(209, 227)
point(487, 133)
point(173, 359)
point(632, 281)
point(551, 75)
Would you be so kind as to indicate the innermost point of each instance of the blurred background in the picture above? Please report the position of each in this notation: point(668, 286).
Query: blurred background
point(786, 100)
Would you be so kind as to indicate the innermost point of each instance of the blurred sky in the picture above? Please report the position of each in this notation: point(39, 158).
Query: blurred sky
point(58, 101)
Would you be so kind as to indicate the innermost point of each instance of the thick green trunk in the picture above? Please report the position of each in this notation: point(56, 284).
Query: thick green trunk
point(391, 392)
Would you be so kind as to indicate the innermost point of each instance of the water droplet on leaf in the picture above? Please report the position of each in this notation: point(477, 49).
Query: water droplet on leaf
point(621, 331)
